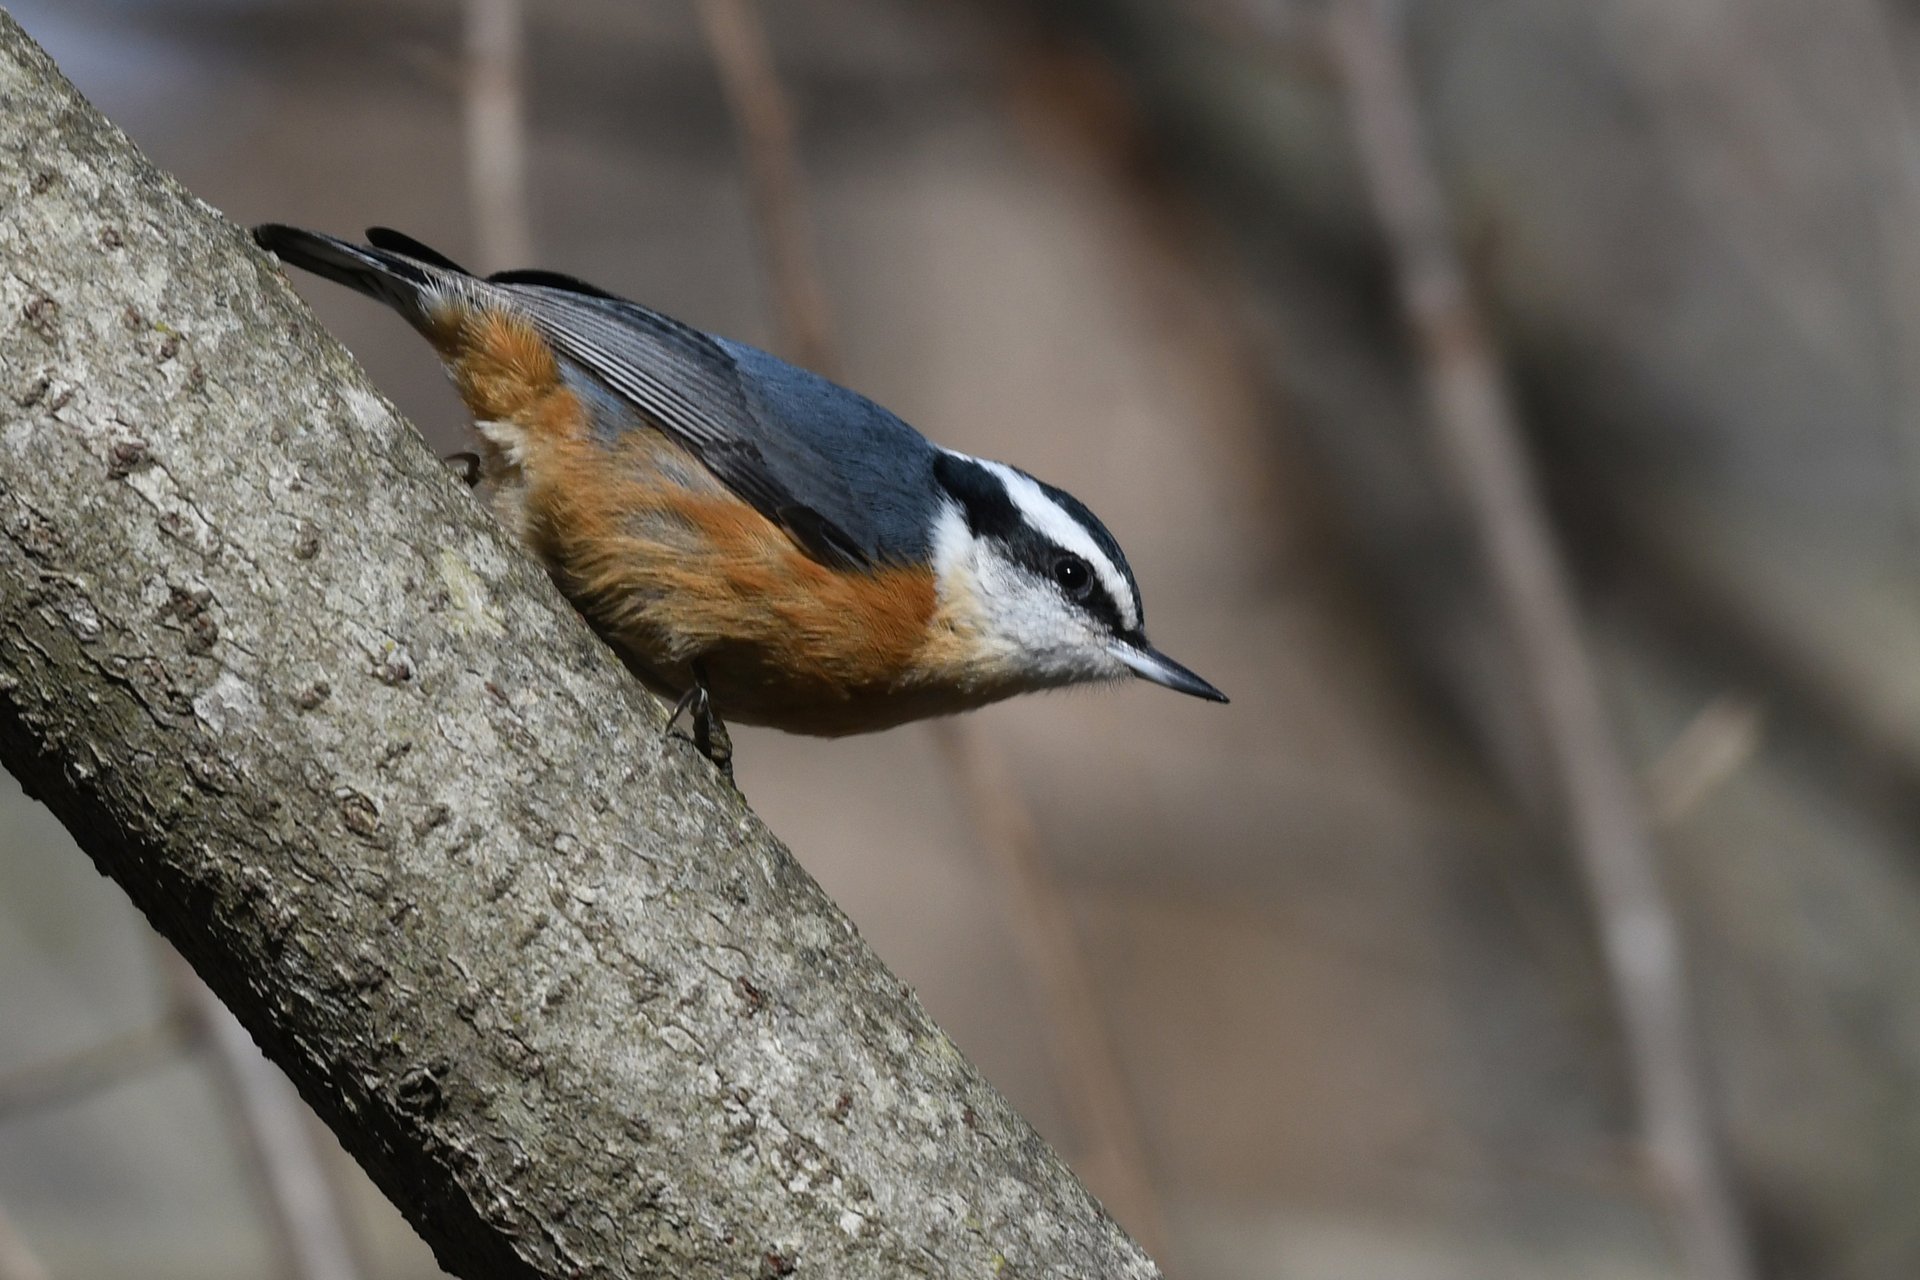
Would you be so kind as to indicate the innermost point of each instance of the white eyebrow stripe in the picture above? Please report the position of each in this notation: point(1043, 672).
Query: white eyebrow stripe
point(1046, 515)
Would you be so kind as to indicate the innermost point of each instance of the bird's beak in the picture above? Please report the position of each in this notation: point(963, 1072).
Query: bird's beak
point(1150, 664)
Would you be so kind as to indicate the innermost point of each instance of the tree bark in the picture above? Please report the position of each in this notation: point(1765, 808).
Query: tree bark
point(572, 1006)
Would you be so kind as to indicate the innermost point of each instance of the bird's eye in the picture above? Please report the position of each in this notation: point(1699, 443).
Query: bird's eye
point(1074, 575)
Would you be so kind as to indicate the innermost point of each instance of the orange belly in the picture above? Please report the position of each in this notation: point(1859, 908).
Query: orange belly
point(676, 572)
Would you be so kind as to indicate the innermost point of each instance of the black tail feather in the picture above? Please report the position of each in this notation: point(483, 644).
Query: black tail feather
point(552, 280)
point(399, 242)
point(395, 276)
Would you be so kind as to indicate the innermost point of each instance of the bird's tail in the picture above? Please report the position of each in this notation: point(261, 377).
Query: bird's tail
point(392, 268)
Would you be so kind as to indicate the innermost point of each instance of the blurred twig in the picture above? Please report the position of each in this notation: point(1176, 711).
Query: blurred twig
point(1082, 1050)
point(1714, 746)
point(1880, 47)
point(95, 1069)
point(272, 1121)
point(17, 1261)
point(494, 90)
point(270, 1117)
point(1286, 34)
point(763, 118)
point(1478, 432)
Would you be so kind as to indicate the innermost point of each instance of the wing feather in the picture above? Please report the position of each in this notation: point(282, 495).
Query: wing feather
point(689, 386)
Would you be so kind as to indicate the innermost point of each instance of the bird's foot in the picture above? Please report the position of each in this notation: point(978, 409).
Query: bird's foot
point(708, 732)
point(466, 466)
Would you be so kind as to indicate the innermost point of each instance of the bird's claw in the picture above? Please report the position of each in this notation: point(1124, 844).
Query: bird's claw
point(466, 466)
point(708, 732)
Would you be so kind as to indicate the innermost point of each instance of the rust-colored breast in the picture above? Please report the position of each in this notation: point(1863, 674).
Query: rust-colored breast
point(675, 570)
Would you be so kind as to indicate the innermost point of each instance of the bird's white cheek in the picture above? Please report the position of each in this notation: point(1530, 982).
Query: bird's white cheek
point(1051, 642)
point(1019, 629)
point(1013, 621)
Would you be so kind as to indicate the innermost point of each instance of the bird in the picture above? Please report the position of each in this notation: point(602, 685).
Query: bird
point(758, 541)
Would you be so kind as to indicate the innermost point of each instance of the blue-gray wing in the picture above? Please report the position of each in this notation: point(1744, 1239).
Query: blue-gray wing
point(838, 473)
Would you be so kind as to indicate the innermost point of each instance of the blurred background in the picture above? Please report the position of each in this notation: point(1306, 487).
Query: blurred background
point(1309, 986)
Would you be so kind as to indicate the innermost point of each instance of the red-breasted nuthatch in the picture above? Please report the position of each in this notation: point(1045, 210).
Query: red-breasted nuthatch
point(745, 529)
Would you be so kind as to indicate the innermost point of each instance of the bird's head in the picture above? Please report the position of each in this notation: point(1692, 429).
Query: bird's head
point(1047, 591)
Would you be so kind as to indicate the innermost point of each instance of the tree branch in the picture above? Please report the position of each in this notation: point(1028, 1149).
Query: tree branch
point(572, 1006)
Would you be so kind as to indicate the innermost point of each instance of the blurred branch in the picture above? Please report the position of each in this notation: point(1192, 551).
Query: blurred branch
point(1082, 1050)
point(17, 1261)
point(566, 1000)
point(1083, 1053)
point(494, 93)
point(312, 1234)
point(1479, 434)
point(1714, 746)
point(763, 118)
point(1882, 47)
point(1287, 33)
point(95, 1069)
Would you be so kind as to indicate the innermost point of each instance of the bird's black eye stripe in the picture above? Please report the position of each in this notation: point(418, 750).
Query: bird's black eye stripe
point(1101, 539)
point(1070, 572)
point(1097, 602)
point(990, 512)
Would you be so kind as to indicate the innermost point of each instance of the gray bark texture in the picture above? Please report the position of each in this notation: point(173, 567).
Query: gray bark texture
point(572, 1006)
